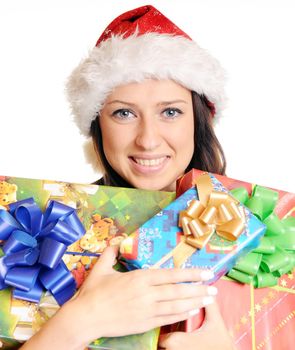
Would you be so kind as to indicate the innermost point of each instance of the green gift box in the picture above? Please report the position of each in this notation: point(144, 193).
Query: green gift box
point(109, 214)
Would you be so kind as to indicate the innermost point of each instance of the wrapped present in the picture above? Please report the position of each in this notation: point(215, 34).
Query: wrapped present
point(261, 318)
point(275, 254)
point(215, 231)
point(265, 319)
point(145, 341)
point(105, 215)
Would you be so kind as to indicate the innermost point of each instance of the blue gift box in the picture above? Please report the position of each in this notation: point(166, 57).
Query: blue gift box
point(158, 243)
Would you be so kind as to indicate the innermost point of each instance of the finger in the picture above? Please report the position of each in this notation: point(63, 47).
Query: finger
point(164, 340)
point(169, 319)
point(212, 313)
point(104, 265)
point(169, 339)
point(176, 275)
point(182, 291)
point(181, 306)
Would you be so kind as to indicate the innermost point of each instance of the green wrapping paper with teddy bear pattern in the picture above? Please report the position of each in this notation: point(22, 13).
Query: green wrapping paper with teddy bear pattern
point(109, 215)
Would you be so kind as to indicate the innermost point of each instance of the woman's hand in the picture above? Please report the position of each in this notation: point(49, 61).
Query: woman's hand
point(211, 335)
point(112, 303)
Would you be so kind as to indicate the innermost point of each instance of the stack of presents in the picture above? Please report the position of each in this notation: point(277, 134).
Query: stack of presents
point(52, 233)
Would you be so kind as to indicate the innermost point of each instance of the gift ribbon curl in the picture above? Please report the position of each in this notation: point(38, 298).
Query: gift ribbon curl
point(275, 254)
point(215, 211)
point(33, 249)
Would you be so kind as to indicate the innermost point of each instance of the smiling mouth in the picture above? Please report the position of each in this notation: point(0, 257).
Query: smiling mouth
point(149, 162)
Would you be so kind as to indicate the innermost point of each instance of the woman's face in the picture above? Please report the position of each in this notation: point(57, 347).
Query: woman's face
point(148, 132)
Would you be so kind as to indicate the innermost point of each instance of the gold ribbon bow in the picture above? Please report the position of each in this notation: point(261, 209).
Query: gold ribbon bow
point(215, 211)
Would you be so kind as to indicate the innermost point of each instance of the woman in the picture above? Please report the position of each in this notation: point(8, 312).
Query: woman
point(147, 95)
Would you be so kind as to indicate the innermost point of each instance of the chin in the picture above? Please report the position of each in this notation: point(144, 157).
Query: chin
point(149, 188)
point(154, 186)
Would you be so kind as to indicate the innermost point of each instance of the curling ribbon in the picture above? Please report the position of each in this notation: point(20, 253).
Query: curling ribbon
point(215, 211)
point(275, 255)
point(33, 249)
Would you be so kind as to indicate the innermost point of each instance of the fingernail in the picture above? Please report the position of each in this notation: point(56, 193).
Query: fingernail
point(212, 290)
point(194, 312)
point(207, 275)
point(207, 300)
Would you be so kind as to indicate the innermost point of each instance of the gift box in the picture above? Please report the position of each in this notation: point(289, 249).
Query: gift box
point(216, 231)
point(108, 215)
point(262, 318)
point(257, 318)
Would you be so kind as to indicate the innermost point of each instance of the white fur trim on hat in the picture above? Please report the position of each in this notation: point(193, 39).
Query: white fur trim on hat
point(118, 61)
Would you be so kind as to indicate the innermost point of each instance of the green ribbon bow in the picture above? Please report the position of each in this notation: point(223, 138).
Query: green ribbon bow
point(275, 255)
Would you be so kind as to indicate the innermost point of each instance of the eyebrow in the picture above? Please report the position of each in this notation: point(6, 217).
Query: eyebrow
point(163, 103)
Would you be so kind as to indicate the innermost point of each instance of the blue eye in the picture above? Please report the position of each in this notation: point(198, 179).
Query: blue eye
point(123, 114)
point(171, 113)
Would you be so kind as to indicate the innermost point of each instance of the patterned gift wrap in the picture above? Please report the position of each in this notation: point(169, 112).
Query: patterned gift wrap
point(258, 318)
point(108, 215)
point(265, 318)
point(160, 242)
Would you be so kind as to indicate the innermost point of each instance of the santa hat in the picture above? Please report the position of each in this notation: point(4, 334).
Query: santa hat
point(139, 44)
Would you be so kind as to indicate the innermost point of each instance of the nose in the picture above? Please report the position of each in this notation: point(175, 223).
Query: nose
point(148, 135)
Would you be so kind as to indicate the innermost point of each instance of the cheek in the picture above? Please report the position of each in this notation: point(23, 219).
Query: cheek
point(115, 141)
point(111, 147)
point(189, 134)
point(108, 140)
point(188, 145)
point(183, 138)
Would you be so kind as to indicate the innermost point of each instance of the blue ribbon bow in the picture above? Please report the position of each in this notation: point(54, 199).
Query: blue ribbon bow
point(33, 248)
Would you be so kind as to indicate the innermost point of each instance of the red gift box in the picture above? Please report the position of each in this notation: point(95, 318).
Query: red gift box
point(262, 318)
point(256, 318)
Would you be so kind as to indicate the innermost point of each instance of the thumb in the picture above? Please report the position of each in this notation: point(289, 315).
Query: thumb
point(169, 340)
point(103, 266)
point(163, 340)
point(212, 313)
point(107, 259)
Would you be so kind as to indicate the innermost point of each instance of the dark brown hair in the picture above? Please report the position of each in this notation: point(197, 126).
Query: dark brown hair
point(208, 154)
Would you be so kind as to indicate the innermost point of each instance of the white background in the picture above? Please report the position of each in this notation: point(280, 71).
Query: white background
point(42, 41)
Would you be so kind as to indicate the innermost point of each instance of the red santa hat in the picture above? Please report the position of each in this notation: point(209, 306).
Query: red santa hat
point(139, 44)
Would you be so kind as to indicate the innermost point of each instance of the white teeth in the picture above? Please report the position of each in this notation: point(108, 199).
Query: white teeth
point(149, 162)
